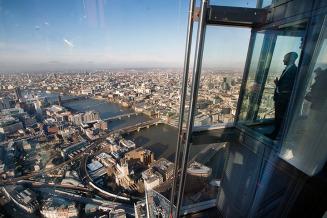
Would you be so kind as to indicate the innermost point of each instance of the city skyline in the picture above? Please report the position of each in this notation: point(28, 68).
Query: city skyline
point(101, 117)
point(101, 132)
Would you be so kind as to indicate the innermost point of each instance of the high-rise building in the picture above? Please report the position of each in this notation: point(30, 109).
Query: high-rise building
point(37, 106)
point(59, 100)
point(19, 95)
point(4, 103)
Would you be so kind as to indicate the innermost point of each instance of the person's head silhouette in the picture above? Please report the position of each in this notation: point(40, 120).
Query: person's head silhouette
point(290, 58)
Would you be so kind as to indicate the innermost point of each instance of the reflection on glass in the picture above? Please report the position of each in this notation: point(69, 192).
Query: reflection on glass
point(223, 62)
point(157, 204)
point(305, 144)
point(251, 75)
point(235, 3)
point(271, 78)
point(281, 64)
point(203, 175)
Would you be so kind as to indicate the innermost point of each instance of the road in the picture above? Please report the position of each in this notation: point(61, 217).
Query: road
point(38, 184)
point(129, 209)
point(102, 193)
point(115, 202)
point(13, 181)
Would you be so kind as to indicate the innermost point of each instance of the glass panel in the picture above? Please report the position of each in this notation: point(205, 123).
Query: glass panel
point(224, 58)
point(221, 76)
point(284, 44)
point(271, 76)
point(305, 144)
point(251, 75)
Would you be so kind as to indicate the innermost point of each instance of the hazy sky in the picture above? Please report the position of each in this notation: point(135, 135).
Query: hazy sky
point(59, 34)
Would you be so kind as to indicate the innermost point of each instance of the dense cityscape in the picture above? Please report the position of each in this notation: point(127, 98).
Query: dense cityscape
point(163, 109)
point(70, 145)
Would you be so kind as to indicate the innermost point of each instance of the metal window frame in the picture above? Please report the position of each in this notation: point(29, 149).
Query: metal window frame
point(256, 27)
point(236, 16)
point(208, 16)
point(183, 100)
point(245, 74)
point(194, 93)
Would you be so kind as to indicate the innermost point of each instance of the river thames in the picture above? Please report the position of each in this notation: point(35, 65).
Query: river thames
point(160, 139)
point(107, 109)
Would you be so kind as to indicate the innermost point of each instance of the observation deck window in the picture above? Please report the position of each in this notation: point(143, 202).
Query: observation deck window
point(271, 76)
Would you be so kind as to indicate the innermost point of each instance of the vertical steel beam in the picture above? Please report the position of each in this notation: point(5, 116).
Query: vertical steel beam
point(245, 76)
point(194, 94)
point(188, 48)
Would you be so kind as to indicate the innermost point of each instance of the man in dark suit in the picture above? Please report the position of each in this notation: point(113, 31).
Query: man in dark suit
point(283, 91)
point(317, 95)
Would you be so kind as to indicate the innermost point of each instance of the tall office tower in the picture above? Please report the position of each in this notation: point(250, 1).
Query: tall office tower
point(226, 84)
point(4, 103)
point(37, 106)
point(19, 95)
point(59, 100)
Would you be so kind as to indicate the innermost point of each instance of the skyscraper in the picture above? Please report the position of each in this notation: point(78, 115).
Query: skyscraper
point(59, 100)
point(19, 95)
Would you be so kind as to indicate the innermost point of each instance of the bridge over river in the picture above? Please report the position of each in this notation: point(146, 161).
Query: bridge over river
point(121, 116)
point(138, 126)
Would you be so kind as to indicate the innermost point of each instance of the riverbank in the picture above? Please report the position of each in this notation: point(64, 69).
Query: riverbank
point(160, 139)
point(128, 106)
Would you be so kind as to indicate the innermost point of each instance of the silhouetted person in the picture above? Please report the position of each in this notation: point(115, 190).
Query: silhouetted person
point(313, 137)
point(317, 96)
point(312, 199)
point(283, 90)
